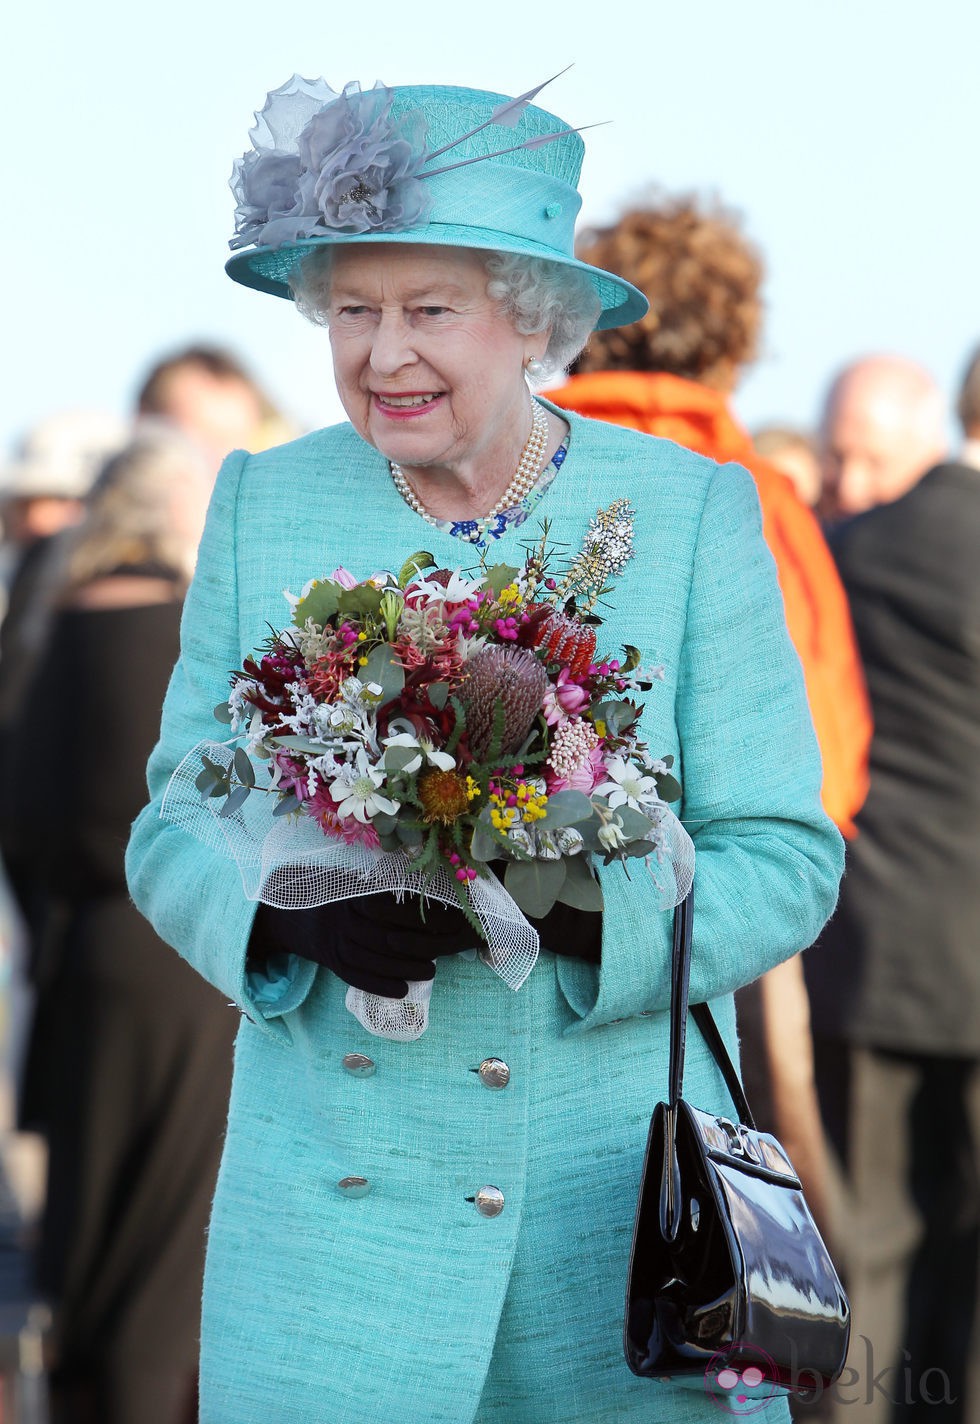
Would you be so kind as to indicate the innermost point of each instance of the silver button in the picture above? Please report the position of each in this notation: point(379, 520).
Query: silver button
point(494, 1073)
point(354, 1186)
point(359, 1064)
point(489, 1201)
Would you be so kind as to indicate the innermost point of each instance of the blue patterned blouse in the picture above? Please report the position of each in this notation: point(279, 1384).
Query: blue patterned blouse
point(472, 530)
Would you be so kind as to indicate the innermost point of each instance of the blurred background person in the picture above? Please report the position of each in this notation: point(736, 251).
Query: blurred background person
point(797, 454)
point(207, 393)
point(42, 488)
point(672, 374)
point(130, 1059)
point(895, 981)
point(968, 410)
point(883, 425)
point(43, 485)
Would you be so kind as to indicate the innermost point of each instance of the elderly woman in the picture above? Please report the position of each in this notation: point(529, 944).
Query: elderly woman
point(438, 1230)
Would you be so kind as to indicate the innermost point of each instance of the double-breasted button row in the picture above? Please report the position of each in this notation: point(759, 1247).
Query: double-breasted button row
point(493, 1074)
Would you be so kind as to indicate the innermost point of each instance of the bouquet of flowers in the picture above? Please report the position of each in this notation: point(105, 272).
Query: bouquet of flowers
point(413, 731)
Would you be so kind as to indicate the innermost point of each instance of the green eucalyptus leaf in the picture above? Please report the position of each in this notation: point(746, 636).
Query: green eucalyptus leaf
point(384, 823)
point(236, 799)
point(413, 566)
point(535, 884)
point(244, 769)
point(668, 787)
point(320, 604)
point(396, 759)
point(288, 804)
point(589, 831)
point(438, 694)
point(223, 713)
point(222, 786)
point(617, 715)
point(498, 576)
point(205, 779)
point(484, 845)
point(359, 603)
point(566, 808)
point(382, 669)
point(635, 824)
point(409, 834)
point(292, 743)
point(581, 888)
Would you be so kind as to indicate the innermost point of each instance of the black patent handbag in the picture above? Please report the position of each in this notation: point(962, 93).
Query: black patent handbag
point(729, 1278)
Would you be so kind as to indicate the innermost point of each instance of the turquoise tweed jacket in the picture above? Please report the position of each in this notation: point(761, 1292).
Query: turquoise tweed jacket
point(402, 1300)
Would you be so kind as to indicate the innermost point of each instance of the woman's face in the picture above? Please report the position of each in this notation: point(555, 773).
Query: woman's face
point(430, 371)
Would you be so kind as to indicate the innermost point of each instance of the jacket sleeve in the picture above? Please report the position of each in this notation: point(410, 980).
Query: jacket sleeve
point(768, 860)
point(193, 896)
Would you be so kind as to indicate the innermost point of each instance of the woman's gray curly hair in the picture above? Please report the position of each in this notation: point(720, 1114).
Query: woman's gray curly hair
point(534, 292)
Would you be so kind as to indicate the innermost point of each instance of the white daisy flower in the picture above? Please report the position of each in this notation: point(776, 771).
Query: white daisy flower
point(426, 752)
point(627, 786)
point(355, 790)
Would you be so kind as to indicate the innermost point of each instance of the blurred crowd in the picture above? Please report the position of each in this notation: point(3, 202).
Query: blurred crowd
point(862, 1054)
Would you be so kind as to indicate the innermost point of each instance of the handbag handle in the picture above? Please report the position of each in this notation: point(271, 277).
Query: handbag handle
point(680, 981)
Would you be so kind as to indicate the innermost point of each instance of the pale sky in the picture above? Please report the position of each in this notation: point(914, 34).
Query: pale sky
point(844, 132)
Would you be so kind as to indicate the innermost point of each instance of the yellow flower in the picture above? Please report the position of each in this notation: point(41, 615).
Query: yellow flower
point(444, 796)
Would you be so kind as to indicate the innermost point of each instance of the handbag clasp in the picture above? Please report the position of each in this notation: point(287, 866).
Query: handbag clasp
point(740, 1144)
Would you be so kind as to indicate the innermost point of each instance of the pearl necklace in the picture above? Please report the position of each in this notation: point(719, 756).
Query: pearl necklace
point(525, 477)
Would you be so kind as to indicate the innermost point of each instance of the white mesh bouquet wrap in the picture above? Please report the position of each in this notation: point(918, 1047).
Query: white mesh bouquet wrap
point(409, 731)
point(288, 862)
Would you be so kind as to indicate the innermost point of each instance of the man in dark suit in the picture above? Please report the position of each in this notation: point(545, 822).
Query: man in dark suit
point(895, 979)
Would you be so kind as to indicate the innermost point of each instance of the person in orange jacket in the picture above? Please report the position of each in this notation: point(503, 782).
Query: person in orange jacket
point(672, 374)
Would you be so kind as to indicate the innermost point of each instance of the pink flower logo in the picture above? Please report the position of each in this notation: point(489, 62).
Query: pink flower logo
point(742, 1385)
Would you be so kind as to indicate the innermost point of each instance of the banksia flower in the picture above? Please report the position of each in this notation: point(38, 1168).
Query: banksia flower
point(514, 678)
point(444, 796)
point(565, 640)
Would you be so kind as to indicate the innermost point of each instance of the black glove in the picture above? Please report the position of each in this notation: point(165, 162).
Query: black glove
point(374, 942)
point(577, 933)
point(377, 943)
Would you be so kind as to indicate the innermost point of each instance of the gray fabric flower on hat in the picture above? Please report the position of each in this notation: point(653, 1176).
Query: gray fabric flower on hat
point(265, 182)
point(328, 162)
point(360, 167)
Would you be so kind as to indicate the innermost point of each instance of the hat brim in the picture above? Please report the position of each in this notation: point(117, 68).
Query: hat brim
point(268, 269)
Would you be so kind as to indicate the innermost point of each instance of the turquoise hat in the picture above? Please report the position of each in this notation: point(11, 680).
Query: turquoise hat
point(428, 164)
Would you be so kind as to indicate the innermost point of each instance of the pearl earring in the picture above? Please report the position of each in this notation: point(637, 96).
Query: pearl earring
point(535, 369)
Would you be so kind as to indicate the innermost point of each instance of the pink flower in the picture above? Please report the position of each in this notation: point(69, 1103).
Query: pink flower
point(584, 777)
point(343, 577)
point(350, 830)
point(563, 699)
point(294, 776)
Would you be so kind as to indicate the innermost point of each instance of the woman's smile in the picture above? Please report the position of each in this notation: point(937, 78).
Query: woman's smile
point(406, 405)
